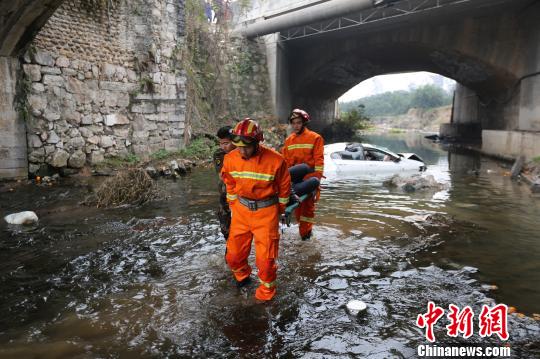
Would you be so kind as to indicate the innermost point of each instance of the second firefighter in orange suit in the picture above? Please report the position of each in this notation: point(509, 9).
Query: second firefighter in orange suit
point(258, 187)
point(304, 146)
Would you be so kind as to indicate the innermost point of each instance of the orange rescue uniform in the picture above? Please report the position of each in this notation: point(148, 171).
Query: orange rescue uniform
point(262, 176)
point(308, 148)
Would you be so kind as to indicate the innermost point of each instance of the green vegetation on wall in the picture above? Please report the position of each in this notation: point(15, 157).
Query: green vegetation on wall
point(226, 80)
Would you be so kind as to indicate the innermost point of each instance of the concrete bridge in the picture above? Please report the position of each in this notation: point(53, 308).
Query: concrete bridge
point(320, 49)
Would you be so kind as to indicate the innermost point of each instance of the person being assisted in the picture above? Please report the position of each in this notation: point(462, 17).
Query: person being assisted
point(258, 188)
point(304, 152)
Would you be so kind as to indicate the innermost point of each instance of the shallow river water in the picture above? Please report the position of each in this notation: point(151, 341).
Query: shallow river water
point(152, 281)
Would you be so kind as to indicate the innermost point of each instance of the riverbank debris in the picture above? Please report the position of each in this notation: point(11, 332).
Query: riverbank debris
point(21, 218)
point(130, 187)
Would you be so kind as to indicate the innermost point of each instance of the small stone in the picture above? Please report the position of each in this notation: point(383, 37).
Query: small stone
point(50, 70)
point(26, 217)
point(152, 172)
point(354, 307)
point(62, 61)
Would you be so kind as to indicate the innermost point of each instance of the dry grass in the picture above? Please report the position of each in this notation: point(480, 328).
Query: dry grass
point(130, 187)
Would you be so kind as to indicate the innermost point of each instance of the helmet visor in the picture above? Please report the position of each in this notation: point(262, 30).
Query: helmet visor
point(242, 141)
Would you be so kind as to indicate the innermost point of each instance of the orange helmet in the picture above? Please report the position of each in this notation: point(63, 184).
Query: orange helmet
point(246, 132)
point(299, 113)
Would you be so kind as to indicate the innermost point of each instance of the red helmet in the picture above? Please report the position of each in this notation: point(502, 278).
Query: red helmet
point(246, 132)
point(299, 113)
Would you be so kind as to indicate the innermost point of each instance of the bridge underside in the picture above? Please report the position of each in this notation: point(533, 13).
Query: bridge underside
point(493, 53)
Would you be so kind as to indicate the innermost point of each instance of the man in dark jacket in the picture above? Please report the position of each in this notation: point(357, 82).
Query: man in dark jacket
point(225, 146)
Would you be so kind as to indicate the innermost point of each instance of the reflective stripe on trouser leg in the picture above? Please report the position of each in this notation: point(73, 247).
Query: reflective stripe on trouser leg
point(239, 245)
point(305, 216)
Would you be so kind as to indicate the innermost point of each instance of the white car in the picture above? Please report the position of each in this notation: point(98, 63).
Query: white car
point(365, 160)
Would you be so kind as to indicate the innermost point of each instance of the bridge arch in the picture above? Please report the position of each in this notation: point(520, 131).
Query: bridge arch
point(20, 22)
point(321, 71)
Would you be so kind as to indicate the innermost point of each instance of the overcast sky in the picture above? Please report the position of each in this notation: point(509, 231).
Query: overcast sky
point(384, 83)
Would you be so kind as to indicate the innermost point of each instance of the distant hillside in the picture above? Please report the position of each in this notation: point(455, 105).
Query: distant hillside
point(400, 102)
point(415, 119)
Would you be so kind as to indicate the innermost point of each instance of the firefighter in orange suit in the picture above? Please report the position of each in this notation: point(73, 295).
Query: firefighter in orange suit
point(304, 146)
point(258, 187)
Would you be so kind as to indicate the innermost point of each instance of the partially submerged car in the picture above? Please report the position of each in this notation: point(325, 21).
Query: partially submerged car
point(365, 160)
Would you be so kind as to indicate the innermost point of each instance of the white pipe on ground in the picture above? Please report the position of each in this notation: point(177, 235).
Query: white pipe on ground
point(303, 16)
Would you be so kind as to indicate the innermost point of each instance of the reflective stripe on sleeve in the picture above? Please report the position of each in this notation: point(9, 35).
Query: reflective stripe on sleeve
point(319, 168)
point(300, 145)
point(231, 197)
point(283, 200)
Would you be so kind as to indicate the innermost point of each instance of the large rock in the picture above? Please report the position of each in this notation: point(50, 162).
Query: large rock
point(76, 142)
point(43, 58)
point(59, 158)
point(116, 119)
point(34, 141)
point(96, 157)
point(77, 159)
point(37, 156)
point(415, 183)
point(106, 141)
point(33, 72)
point(53, 138)
point(37, 103)
point(26, 217)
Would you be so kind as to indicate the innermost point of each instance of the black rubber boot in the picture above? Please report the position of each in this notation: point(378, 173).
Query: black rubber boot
point(307, 236)
point(243, 282)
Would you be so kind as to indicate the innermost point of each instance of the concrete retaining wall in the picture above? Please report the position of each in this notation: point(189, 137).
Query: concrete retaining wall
point(13, 162)
point(511, 144)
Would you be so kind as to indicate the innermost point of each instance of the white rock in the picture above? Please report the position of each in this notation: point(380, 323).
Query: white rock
point(27, 217)
point(116, 119)
point(356, 306)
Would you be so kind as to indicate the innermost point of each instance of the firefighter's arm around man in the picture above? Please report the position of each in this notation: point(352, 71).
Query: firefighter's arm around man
point(229, 181)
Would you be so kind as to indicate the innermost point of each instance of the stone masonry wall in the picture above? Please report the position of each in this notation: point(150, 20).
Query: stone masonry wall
point(104, 81)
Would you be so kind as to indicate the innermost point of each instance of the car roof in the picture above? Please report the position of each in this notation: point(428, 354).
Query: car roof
point(340, 146)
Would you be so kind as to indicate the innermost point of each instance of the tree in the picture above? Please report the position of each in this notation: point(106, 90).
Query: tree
point(428, 96)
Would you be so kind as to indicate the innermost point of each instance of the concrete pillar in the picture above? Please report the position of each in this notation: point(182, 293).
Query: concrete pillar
point(13, 152)
point(529, 111)
point(278, 71)
point(465, 124)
